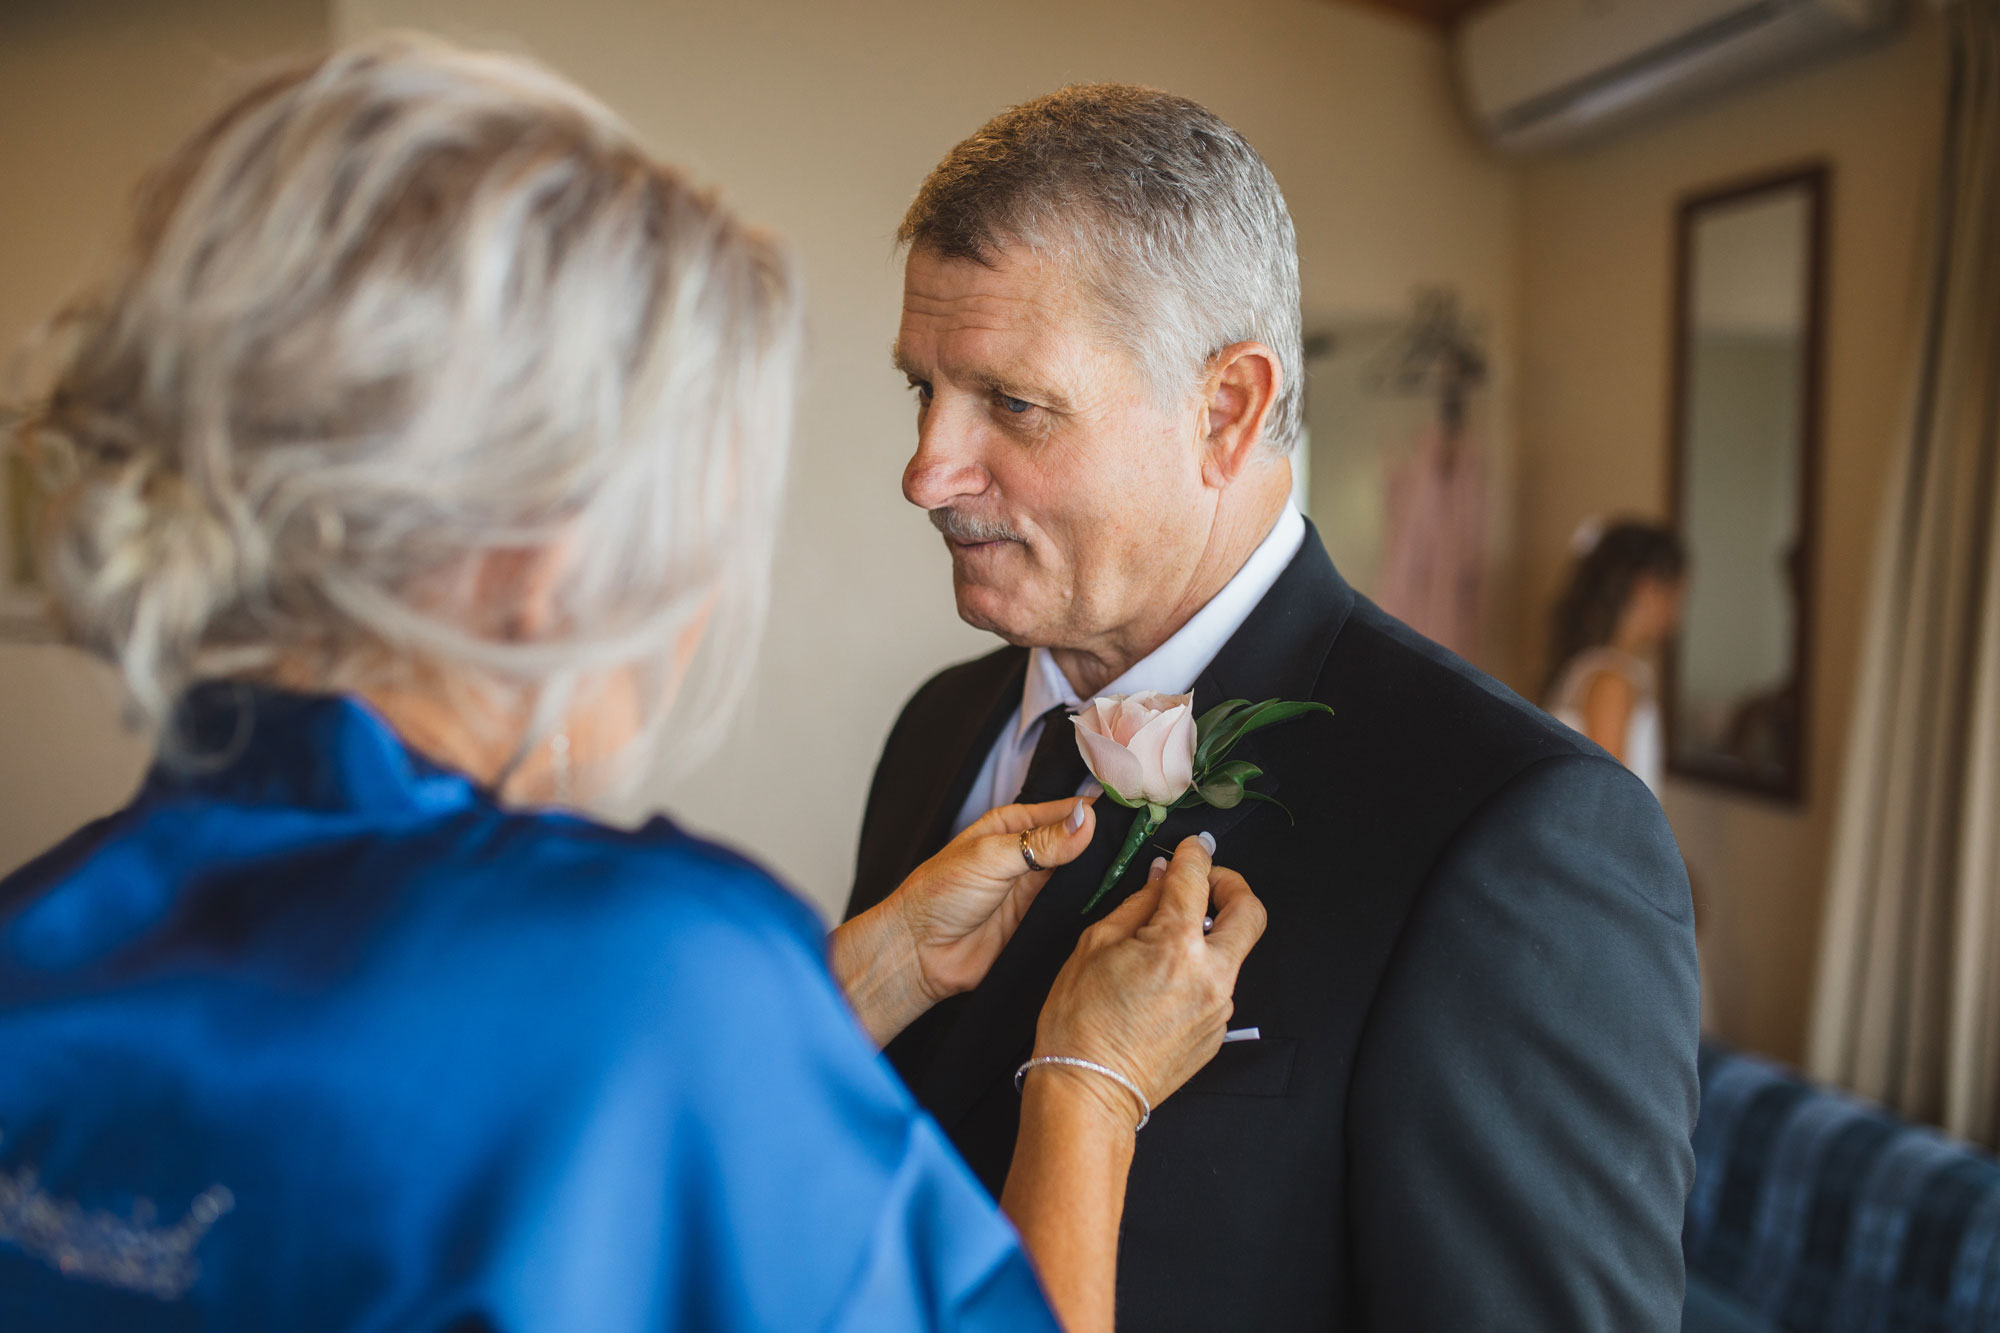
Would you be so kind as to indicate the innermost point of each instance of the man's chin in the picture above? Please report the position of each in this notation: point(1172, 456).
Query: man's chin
point(985, 607)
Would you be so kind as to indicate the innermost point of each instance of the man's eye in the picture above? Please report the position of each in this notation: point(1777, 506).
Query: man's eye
point(923, 388)
point(1015, 405)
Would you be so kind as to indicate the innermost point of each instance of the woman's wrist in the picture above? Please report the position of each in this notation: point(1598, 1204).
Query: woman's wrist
point(874, 958)
point(1084, 1100)
point(1065, 1191)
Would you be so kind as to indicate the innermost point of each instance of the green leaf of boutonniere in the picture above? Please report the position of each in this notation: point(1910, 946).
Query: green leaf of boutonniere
point(1222, 787)
point(1249, 795)
point(1214, 717)
point(1217, 728)
point(1279, 710)
point(1216, 743)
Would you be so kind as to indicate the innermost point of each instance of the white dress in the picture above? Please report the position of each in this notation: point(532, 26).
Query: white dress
point(1645, 746)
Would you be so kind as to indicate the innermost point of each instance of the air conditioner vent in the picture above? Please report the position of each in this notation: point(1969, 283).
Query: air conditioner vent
point(1540, 73)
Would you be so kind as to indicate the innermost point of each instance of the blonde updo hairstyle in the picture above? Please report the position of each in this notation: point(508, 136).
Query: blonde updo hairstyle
point(393, 311)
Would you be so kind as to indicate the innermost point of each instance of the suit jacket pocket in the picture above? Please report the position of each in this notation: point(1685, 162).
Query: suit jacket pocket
point(1260, 1068)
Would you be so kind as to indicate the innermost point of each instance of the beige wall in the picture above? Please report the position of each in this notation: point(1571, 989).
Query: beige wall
point(91, 92)
point(1596, 251)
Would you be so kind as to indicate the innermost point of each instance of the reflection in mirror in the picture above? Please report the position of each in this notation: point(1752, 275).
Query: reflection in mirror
point(1747, 356)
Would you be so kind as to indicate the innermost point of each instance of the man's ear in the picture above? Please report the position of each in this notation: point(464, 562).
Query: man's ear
point(1240, 391)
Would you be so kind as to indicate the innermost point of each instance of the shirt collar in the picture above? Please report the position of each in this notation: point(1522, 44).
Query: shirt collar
point(1173, 666)
point(256, 745)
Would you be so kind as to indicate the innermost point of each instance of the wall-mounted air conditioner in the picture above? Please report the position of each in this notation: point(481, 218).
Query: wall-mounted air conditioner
point(1538, 73)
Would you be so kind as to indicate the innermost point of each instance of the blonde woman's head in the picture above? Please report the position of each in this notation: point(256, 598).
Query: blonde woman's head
point(396, 322)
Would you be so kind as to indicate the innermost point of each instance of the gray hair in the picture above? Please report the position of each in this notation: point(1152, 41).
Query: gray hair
point(1169, 219)
point(392, 311)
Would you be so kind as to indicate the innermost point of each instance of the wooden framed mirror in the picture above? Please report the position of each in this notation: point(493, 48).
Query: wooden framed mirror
point(1748, 337)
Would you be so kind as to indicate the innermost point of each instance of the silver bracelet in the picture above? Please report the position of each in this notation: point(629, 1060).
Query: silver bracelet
point(1145, 1107)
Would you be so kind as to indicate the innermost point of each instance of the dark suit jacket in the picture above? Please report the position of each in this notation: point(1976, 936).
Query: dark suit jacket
point(1472, 1104)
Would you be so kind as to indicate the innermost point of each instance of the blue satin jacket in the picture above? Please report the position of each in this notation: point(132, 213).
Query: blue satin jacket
point(314, 1035)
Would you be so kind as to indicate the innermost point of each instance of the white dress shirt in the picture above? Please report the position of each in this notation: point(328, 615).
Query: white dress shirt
point(1172, 668)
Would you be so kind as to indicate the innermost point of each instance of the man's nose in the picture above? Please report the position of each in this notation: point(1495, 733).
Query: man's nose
point(946, 465)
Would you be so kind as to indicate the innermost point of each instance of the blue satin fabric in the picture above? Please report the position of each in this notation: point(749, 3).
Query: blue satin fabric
point(446, 1067)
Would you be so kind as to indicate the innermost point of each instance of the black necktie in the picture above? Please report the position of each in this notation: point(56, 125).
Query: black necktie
point(1056, 769)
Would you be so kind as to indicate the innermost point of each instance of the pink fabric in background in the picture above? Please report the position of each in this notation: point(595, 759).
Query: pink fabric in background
point(1434, 561)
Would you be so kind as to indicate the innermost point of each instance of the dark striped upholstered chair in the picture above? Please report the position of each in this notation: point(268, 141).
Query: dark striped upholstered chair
point(1815, 1211)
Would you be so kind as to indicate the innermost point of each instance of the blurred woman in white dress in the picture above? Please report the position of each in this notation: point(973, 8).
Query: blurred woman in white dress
point(1621, 607)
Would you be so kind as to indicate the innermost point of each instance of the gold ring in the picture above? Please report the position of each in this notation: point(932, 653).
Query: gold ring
point(1028, 855)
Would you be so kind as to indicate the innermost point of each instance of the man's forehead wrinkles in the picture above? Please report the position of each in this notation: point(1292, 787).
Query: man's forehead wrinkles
point(976, 311)
point(970, 338)
point(979, 349)
point(980, 328)
point(962, 349)
point(961, 327)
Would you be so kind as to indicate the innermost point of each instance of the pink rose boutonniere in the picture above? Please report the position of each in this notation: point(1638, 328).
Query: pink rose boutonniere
point(1152, 755)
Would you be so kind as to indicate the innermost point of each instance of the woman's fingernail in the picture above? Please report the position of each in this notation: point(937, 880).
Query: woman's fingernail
point(1207, 840)
point(1207, 924)
point(1159, 869)
point(1076, 817)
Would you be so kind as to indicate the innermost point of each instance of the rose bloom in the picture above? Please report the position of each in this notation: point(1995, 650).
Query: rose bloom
point(1140, 746)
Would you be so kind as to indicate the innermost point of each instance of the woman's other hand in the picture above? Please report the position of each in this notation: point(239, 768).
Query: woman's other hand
point(939, 932)
point(1147, 992)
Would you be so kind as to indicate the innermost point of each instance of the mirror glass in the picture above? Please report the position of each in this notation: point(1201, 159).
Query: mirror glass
point(1747, 350)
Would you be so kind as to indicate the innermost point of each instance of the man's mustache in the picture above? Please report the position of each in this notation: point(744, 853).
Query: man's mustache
point(959, 526)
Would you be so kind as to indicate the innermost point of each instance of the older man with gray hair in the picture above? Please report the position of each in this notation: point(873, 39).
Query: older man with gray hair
point(1461, 1082)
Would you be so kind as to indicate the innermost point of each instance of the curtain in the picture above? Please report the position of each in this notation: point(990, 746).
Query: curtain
point(1907, 1004)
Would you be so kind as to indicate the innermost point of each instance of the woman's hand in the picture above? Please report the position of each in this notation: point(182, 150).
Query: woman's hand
point(939, 932)
point(963, 905)
point(1147, 992)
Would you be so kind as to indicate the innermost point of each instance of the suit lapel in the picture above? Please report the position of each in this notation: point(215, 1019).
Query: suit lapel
point(1277, 653)
point(963, 753)
point(1282, 645)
